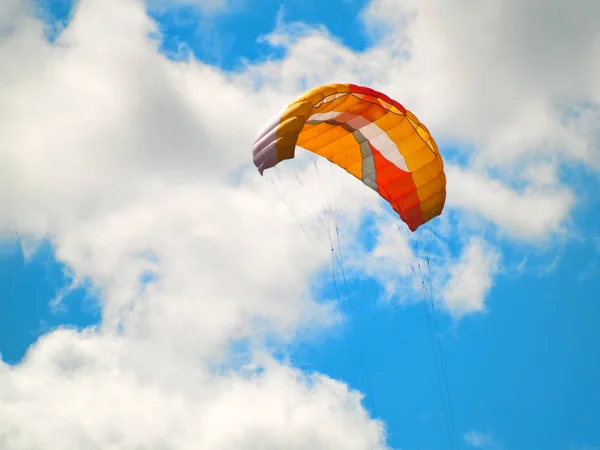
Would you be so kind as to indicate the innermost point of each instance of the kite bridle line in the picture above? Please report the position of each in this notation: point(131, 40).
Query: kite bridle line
point(332, 213)
point(332, 273)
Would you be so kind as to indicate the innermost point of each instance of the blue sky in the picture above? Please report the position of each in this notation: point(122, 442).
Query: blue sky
point(524, 374)
point(230, 39)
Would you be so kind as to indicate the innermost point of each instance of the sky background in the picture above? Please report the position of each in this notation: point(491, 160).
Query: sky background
point(157, 293)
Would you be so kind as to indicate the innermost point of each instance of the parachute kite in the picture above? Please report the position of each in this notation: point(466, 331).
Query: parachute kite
point(370, 136)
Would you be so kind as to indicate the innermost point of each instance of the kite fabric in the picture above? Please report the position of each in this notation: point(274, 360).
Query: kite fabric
point(370, 136)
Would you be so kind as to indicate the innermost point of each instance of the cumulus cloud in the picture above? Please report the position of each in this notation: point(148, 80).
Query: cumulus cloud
point(84, 390)
point(137, 169)
point(127, 162)
point(535, 213)
point(12, 13)
point(506, 93)
point(471, 278)
point(423, 267)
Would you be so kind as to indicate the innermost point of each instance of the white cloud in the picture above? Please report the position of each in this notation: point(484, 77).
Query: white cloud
point(95, 391)
point(535, 213)
point(506, 93)
point(423, 267)
point(392, 261)
point(130, 163)
point(471, 278)
point(481, 440)
point(12, 15)
point(131, 170)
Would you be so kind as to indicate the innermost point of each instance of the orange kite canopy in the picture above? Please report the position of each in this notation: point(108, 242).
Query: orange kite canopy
point(369, 135)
